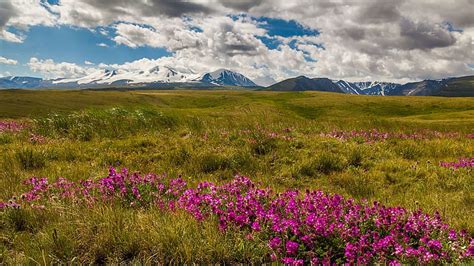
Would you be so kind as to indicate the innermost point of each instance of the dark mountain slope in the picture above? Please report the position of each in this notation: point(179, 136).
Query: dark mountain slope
point(303, 83)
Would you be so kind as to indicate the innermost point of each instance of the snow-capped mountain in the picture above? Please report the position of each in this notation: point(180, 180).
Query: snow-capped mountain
point(159, 76)
point(169, 78)
point(13, 82)
point(367, 88)
point(462, 86)
point(98, 77)
point(224, 77)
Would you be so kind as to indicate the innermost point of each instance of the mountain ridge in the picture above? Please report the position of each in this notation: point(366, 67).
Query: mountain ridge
point(224, 77)
point(464, 86)
point(166, 77)
point(156, 76)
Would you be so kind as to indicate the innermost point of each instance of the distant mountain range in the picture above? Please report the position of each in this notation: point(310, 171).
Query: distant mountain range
point(159, 76)
point(450, 87)
point(168, 77)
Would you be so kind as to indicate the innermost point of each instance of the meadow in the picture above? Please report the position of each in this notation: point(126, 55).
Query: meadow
point(216, 153)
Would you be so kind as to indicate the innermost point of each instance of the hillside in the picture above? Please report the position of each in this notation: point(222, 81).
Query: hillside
point(94, 201)
point(450, 87)
point(303, 83)
point(459, 87)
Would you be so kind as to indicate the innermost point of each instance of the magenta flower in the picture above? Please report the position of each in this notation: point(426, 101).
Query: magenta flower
point(461, 163)
point(11, 126)
point(275, 243)
point(291, 247)
point(299, 227)
point(374, 135)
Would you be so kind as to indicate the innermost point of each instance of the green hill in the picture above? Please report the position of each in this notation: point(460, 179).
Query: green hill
point(303, 83)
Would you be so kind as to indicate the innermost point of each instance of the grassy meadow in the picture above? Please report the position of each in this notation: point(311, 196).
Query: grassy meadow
point(273, 138)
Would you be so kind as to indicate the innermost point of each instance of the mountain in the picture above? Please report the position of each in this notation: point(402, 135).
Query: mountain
point(224, 77)
point(367, 88)
point(460, 87)
point(303, 83)
point(451, 87)
point(158, 76)
point(20, 82)
point(168, 77)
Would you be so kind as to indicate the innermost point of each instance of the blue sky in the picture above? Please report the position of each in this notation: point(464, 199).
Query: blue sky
point(78, 45)
point(68, 44)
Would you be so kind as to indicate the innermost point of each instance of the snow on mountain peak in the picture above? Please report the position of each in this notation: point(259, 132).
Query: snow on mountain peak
point(225, 77)
point(218, 73)
point(157, 74)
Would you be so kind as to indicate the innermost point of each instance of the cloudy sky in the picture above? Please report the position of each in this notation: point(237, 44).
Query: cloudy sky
point(266, 40)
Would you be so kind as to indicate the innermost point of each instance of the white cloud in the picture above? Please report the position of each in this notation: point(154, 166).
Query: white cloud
point(51, 69)
point(11, 37)
point(385, 40)
point(89, 63)
point(21, 14)
point(221, 42)
point(7, 61)
point(172, 34)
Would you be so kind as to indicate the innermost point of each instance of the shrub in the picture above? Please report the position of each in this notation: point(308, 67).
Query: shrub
point(242, 161)
point(180, 157)
point(409, 151)
point(355, 158)
point(5, 138)
point(263, 146)
point(30, 159)
point(23, 219)
point(213, 162)
point(357, 186)
point(325, 163)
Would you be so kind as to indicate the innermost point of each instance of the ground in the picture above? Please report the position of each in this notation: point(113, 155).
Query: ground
point(279, 140)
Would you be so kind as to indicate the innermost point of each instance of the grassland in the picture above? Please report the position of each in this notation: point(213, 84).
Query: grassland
point(274, 138)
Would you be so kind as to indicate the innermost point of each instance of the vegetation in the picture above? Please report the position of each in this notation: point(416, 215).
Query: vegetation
point(310, 140)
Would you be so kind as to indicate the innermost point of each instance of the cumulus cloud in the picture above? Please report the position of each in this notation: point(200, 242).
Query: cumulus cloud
point(359, 39)
point(424, 36)
point(242, 5)
point(51, 69)
point(21, 15)
point(172, 36)
point(7, 61)
point(7, 10)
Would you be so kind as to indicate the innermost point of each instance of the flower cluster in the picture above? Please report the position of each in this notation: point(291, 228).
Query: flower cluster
point(37, 139)
point(131, 189)
point(374, 135)
point(299, 227)
point(10, 204)
point(11, 126)
point(461, 163)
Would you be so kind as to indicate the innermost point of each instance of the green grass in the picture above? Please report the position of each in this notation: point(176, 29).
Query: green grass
point(213, 135)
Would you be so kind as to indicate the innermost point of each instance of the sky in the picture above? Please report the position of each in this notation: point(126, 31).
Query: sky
point(266, 40)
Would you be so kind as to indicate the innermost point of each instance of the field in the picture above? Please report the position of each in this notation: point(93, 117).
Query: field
point(393, 150)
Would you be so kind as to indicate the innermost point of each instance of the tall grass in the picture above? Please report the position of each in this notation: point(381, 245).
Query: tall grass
point(111, 123)
point(112, 234)
point(206, 137)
